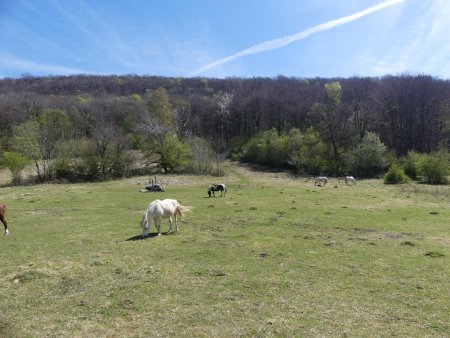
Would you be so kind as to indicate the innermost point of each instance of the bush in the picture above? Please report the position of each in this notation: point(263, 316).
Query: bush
point(307, 152)
point(434, 168)
point(395, 175)
point(15, 162)
point(267, 148)
point(410, 164)
point(174, 153)
point(63, 168)
point(368, 158)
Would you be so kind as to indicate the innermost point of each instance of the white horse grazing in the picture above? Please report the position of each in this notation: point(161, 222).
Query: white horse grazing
point(321, 181)
point(350, 180)
point(157, 210)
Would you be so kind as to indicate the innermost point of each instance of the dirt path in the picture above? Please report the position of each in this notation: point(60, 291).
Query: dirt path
point(245, 174)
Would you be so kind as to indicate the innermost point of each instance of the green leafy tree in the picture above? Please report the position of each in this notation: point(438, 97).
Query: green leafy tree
point(15, 162)
point(158, 130)
point(39, 138)
point(367, 159)
point(26, 141)
point(159, 107)
point(268, 148)
point(334, 92)
point(103, 155)
point(331, 114)
point(174, 154)
point(307, 151)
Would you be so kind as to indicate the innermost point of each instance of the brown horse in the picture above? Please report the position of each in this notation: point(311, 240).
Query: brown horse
point(3, 217)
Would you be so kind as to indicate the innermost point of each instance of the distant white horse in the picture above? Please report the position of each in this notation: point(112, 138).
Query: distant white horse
point(321, 181)
point(350, 180)
point(157, 210)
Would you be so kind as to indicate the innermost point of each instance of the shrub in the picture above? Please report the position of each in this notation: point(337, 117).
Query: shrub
point(434, 168)
point(307, 152)
point(368, 158)
point(410, 164)
point(63, 169)
point(395, 175)
point(15, 162)
point(267, 148)
point(174, 154)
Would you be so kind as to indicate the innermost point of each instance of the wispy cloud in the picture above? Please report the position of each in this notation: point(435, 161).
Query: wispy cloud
point(284, 41)
point(106, 38)
point(424, 49)
point(29, 66)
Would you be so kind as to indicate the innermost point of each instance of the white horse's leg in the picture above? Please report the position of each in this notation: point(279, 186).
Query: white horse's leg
point(158, 226)
point(170, 225)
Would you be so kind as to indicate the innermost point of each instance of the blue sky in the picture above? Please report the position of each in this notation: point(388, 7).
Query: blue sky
point(211, 38)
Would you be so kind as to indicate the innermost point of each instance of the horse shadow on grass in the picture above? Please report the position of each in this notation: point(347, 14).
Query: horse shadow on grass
point(150, 235)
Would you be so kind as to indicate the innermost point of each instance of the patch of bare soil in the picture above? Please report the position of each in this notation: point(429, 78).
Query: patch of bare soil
point(257, 172)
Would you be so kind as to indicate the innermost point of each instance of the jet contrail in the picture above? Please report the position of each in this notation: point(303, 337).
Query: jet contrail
point(284, 41)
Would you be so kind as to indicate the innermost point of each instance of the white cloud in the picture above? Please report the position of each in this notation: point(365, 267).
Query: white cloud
point(284, 41)
point(30, 66)
point(424, 48)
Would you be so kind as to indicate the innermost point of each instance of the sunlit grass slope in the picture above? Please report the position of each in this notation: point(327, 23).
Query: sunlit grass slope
point(276, 257)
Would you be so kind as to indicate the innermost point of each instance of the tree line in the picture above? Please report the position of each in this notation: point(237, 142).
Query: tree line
point(95, 127)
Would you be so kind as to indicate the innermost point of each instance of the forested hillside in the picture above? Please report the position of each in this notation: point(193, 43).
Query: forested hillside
point(88, 123)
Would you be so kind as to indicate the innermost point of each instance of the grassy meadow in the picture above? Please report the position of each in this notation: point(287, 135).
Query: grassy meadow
point(277, 257)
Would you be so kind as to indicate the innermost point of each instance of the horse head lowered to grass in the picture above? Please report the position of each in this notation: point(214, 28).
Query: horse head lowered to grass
point(217, 187)
point(350, 180)
point(157, 210)
point(321, 181)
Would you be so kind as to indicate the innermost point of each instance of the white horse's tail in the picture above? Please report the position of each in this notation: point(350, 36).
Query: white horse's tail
point(181, 211)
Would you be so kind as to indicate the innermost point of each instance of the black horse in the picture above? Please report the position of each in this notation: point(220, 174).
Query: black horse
point(217, 187)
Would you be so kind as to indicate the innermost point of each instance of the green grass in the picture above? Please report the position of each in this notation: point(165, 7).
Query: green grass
point(276, 257)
